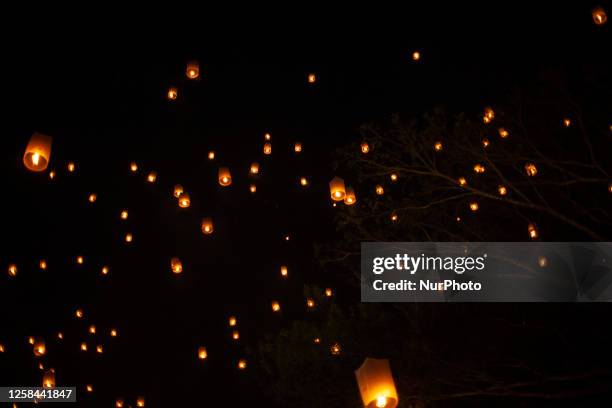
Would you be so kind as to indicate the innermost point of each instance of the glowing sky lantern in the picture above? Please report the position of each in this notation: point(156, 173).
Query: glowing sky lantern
point(207, 226)
point(133, 167)
point(267, 149)
point(284, 271)
point(350, 198)
point(380, 190)
point(376, 384)
point(310, 303)
point(89, 388)
point(488, 115)
point(48, 380)
point(303, 181)
point(312, 78)
point(502, 190)
point(416, 56)
point(38, 152)
point(123, 215)
point(211, 155)
point(567, 122)
point(152, 177)
point(99, 349)
point(335, 349)
point(42, 264)
point(329, 292)
point(297, 147)
point(202, 353)
point(172, 93)
point(80, 260)
point(113, 333)
point(531, 169)
point(533, 231)
point(479, 168)
point(267, 137)
point(485, 143)
point(119, 403)
point(193, 70)
point(225, 178)
point(438, 146)
point(39, 348)
point(254, 168)
point(184, 200)
point(235, 335)
point(474, 206)
point(71, 167)
point(232, 321)
point(253, 188)
point(462, 181)
point(176, 265)
point(242, 364)
point(394, 177)
point(2, 348)
point(140, 402)
point(503, 133)
point(92, 329)
point(275, 306)
point(83, 346)
point(178, 190)
point(129, 237)
point(365, 147)
point(599, 16)
point(79, 313)
point(12, 270)
point(337, 189)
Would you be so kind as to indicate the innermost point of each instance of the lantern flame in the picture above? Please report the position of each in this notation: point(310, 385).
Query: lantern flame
point(38, 152)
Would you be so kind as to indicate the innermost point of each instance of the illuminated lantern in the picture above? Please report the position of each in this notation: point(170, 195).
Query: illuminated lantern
point(542, 261)
point(92, 329)
point(172, 93)
point(329, 292)
point(124, 215)
point(267, 149)
point(207, 226)
point(599, 16)
point(297, 147)
point(489, 115)
point(48, 380)
point(133, 167)
point(51, 174)
point(376, 384)
point(119, 403)
point(113, 333)
point(479, 168)
point(350, 198)
point(39, 348)
point(275, 306)
point(60, 336)
point(284, 271)
point(610, 187)
point(89, 388)
point(485, 142)
point(99, 349)
point(394, 217)
point(312, 78)
point(254, 168)
point(31, 340)
point(502, 190)
point(533, 232)
point(42, 264)
point(567, 122)
point(287, 237)
point(503, 133)
point(236, 335)
point(438, 146)
point(193, 70)
point(202, 353)
point(176, 265)
point(152, 177)
point(211, 155)
point(41, 366)
point(365, 147)
point(83, 346)
point(267, 137)
point(71, 167)
point(531, 169)
point(474, 206)
point(310, 303)
point(38, 152)
point(225, 178)
point(393, 177)
point(337, 189)
point(303, 181)
point(253, 188)
point(104, 270)
point(12, 270)
point(80, 260)
point(380, 190)
point(242, 364)
point(178, 190)
point(79, 313)
point(335, 349)
point(458, 219)
point(184, 201)
point(140, 402)
point(1, 348)
point(129, 237)
point(416, 56)
point(232, 321)
point(462, 181)
point(316, 340)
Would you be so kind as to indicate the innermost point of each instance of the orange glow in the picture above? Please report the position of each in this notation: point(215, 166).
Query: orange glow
point(92, 329)
point(253, 188)
point(211, 155)
point(416, 56)
point(1, 348)
point(267, 149)
point(89, 388)
point(60, 336)
point(225, 178)
point(119, 403)
point(129, 237)
point(316, 340)
point(152, 177)
point(474, 206)
point(393, 177)
point(599, 16)
point(178, 190)
point(79, 313)
point(380, 190)
point(38, 152)
point(297, 147)
point(329, 292)
point(242, 364)
point(310, 303)
point(140, 402)
point(254, 168)
point(184, 201)
point(232, 321)
point(236, 335)
point(193, 70)
point(124, 215)
point(275, 306)
point(42, 264)
point(485, 142)
point(39, 348)
point(284, 271)
point(114, 333)
point(350, 198)
point(502, 190)
point(489, 115)
point(71, 167)
point(312, 78)
point(202, 353)
point(337, 189)
point(48, 380)
point(172, 93)
point(438, 146)
point(542, 261)
point(83, 346)
point(80, 260)
point(12, 270)
point(531, 169)
point(303, 181)
point(176, 265)
point(533, 232)
point(267, 137)
point(503, 133)
point(365, 147)
point(133, 167)
point(207, 226)
point(462, 181)
point(51, 174)
point(335, 349)
point(394, 217)
point(479, 168)
point(376, 384)
point(99, 349)
point(567, 122)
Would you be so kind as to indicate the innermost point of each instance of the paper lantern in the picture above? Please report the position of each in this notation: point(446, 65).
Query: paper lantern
point(284, 271)
point(92, 329)
point(31, 340)
point(416, 56)
point(485, 142)
point(303, 181)
point(474, 206)
point(242, 364)
point(129, 237)
point(287, 237)
point(253, 188)
point(211, 155)
point(235, 335)
point(542, 261)
point(140, 402)
point(123, 215)
point(152, 177)
point(114, 333)
point(178, 190)
point(79, 313)
point(337, 189)
point(225, 178)
point(51, 174)
point(99, 349)
point(531, 169)
point(533, 231)
point(462, 181)
point(202, 353)
point(316, 340)
point(394, 217)
point(376, 384)
point(502, 190)
point(232, 321)
point(48, 380)
point(176, 265)
point(267, 149)
point(12, 269)
point(380, 190)
point(172, 93)
point(1, 348)
point(42, 264)
point(184, 201)
point(599, 16)
point(71, 167)
point(503, 133)
point(610, 188)
point(310, 303)
point(89, 388)
point(393, 177)
point(329, 292)
point(193, 70)
point(254, 168)
point(479, 168)
point(39, 348)
point(489, 115)
point(312, 78)
point(38, 152)
point(60, 336)
point(83, 346)
point(438, 146)
point(267, 137)
point(80, 260)
point(207, 226)
point(350, 198)
point(297, 147)
point(275, 306)
point(119, 403)
point(365, 147)
point(133, 167)
point(335, 349)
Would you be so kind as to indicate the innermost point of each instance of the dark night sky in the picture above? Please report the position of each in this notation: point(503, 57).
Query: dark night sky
point(101, 95)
